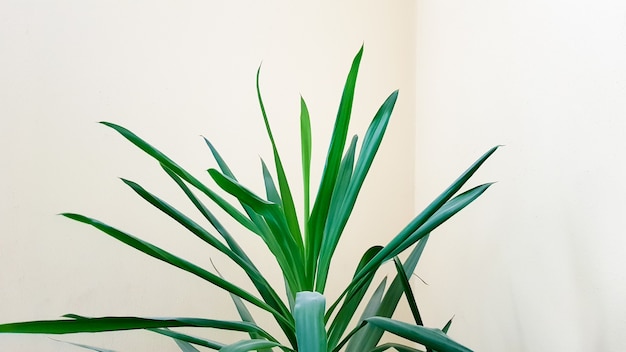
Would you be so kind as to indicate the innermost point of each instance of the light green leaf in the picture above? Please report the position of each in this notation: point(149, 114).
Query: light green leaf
point(309, 316)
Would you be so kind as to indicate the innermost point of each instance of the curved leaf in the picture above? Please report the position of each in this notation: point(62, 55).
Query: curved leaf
point(432, 338)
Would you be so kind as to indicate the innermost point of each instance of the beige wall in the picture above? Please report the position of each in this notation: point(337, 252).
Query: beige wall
point(171, 71)
point(538, 264)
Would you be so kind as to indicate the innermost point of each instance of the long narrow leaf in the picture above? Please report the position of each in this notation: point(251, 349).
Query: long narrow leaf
point(306, 143)
point(169, 163)
point(185, 346)
point(169, 258)
point(408, 292)
point(353, 300)
point(288, 254)
point(243, 311)
point(285, 192)
point(334, 228)
point(182, 339)
point(370, 335)
point(330, 238)
point(266, 290)
point(333, 160)
point(261, 226)
point(428, 337)
point(414, 228)
point(250, 345)
point(101, 324)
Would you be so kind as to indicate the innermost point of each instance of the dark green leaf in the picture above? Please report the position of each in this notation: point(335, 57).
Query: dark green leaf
point(432, 338)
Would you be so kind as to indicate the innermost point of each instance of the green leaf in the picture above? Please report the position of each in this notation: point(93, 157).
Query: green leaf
point(370, 310)
point(270, 187)
point(285, 192)
point(398, 347)
point(250, 345)
point(243, 311)
point(286, 251)
point(306, 147)
point(354, 298)
point(185, 346)
point(185, 340)
point(447, 326)
point(371, 142)
point(309, 316)
point(408, 292)
point(169, 258)
point(415, 231)
point(330, 238)
point(370, 335)
point(182, 173)
point(321, 206)
point(101, 324)
point(433, 338)
point(266, 291)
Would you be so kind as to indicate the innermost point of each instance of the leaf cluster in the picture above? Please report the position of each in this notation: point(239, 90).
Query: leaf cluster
point(303, 247)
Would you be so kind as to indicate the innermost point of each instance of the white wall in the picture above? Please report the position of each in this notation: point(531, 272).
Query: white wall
point(171, 71)
point(538, 263)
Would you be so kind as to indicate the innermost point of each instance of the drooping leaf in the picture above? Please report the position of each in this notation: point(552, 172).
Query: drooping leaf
point(182, 173)
point(186, 340)
point(433, 338)
point(169, 258)
point(266, 290)
point(101, 324)
point(287, 252)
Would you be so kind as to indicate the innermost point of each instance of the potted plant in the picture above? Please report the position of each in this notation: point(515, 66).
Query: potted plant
point(303, 249)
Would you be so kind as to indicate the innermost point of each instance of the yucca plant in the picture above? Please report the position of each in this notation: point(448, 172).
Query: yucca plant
point(303, 249)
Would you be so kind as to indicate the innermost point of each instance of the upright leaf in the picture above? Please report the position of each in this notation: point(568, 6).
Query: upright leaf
point(333, 161)
point(285, 192)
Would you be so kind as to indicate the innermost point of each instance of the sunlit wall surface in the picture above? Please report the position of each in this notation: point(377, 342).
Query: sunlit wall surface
point(538, 263)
